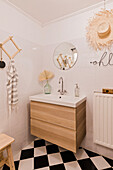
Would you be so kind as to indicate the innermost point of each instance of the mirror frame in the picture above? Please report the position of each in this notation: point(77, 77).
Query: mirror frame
point(59, 54)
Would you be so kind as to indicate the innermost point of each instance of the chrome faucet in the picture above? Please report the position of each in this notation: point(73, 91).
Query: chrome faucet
point(62, 91)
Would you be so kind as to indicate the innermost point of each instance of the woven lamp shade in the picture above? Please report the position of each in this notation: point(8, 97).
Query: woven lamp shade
point(100, 30)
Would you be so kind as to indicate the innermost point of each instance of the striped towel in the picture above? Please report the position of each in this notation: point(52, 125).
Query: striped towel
point(12, 81)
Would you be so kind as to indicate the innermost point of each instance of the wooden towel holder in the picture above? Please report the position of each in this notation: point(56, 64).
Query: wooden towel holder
point(18, 49)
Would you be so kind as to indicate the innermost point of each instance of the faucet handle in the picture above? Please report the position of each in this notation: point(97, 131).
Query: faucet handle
point(59, 90)
point(65, 91)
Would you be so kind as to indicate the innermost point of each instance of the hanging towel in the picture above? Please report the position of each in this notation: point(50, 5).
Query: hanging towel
point(12, 81)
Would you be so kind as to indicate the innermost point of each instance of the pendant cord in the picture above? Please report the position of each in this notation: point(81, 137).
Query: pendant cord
point(1, 53)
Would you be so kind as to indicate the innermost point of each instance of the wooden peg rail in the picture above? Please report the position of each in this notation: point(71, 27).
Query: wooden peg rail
point(18, 49)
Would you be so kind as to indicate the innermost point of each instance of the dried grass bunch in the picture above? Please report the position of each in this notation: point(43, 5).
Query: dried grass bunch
point(45, 75)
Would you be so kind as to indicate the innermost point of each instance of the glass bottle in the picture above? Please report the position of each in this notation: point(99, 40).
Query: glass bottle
point(47, 88)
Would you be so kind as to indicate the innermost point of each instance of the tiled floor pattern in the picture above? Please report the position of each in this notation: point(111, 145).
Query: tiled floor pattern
point(42, 155)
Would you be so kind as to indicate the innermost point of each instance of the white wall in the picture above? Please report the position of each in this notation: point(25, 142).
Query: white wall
point(16, 23)
point(27, 35)
point(90, 78)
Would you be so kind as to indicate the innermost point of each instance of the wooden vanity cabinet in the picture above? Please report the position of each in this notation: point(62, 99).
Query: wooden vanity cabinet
point(61, 125)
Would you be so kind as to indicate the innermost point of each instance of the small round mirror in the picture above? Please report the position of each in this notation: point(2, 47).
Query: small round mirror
point(65, 56)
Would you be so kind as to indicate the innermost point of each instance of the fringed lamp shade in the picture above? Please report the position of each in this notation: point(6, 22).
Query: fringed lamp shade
point(45, 75)
point(100, 30)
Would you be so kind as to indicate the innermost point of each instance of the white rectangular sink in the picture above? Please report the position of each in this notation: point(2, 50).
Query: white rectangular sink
point(63, 100)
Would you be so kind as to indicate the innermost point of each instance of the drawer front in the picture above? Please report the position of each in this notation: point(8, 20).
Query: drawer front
point(55, 114)
point(63, 137)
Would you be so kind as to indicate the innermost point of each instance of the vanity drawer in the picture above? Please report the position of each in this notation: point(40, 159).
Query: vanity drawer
point(55, 114)
point(63, 137)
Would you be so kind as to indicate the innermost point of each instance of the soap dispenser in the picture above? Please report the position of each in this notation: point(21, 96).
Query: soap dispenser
point(76, 90)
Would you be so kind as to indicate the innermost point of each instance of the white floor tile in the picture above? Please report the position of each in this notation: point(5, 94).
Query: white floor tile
point(46, 168)
point(61, 149)
point(26, 164)
point(37, 139)
point(54, 159)
point(72, 166)
point(48, 143)
point(17, 156)
point(40, 151)
point(31, 145)
point(81, 154)
point(100, 162)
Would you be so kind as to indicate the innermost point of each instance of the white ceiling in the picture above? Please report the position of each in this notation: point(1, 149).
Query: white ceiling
point(46, 11)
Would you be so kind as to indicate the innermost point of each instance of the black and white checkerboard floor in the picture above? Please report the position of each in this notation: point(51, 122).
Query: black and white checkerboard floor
point(42, 155)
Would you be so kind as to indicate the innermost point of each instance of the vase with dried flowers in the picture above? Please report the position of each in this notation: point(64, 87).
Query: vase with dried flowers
point(46, 75)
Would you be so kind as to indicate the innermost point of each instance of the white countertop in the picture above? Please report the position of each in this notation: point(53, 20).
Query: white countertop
point(63, 100)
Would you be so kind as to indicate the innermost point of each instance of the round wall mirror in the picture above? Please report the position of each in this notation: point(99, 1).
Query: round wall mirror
point(65, 56)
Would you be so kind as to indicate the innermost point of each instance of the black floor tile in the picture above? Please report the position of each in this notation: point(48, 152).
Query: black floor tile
point(39, 143)
point(40, 162)
point(28, 153)
point(90, 153)
point(52, 149)
point(16, 165)
point(6, 167)
point(57, 167)
point(67, 156)
point(80, 147)
point(110, 161)
point(86, 164)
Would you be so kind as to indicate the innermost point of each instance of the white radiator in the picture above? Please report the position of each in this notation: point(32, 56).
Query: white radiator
point(103, 119)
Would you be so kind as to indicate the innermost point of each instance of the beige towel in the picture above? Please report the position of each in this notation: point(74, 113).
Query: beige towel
point(12, 81)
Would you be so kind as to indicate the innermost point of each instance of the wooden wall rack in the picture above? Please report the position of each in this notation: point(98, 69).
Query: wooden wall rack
point(18, 49)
